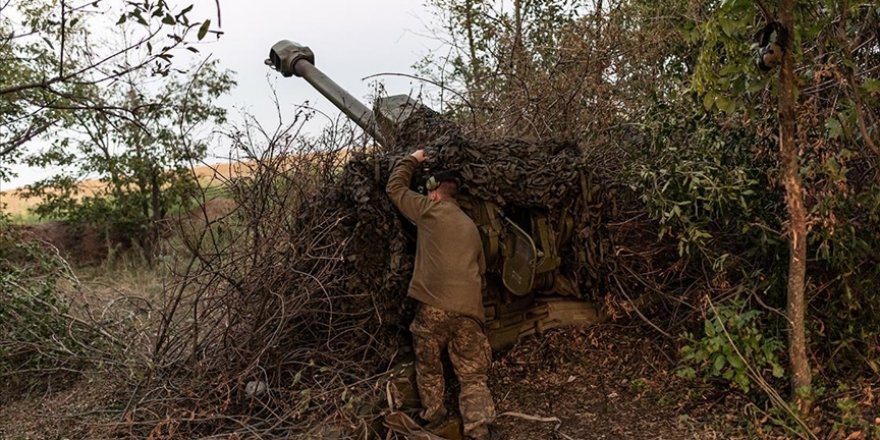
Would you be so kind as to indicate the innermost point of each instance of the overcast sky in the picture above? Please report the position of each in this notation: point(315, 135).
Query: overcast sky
point(351, 39)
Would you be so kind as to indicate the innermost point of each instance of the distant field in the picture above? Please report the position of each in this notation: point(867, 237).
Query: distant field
point(211, 176)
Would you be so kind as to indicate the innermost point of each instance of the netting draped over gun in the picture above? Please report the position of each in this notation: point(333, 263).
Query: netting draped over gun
point(538, 206)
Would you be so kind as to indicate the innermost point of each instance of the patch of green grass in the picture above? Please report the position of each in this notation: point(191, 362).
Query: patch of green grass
point(211, 192)
point(25, 218)
point(217, 191)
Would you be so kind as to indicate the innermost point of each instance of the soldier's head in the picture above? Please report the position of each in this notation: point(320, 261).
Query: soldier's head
point(444, 185)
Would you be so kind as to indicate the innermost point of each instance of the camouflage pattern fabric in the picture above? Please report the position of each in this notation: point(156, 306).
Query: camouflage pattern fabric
point(435, 330)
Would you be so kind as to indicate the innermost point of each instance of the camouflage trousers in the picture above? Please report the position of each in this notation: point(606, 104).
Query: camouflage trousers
point(434, 331)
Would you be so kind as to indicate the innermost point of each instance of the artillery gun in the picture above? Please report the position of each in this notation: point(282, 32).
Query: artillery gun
point(526, 292)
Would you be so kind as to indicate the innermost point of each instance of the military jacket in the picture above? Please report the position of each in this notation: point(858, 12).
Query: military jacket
point(449, 262)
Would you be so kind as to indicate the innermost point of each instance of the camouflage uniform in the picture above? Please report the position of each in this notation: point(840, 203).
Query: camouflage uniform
point(433, 331)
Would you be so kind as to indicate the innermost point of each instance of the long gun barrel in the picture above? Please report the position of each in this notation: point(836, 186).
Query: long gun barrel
point(291, 58)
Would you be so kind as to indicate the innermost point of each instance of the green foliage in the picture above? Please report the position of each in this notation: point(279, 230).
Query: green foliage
point(713, 355)
point(854, 413)
point(846, 252)
point(55, 70)
point(143, 164)
point(726, 76)
point(836, 79)
point(700, 179)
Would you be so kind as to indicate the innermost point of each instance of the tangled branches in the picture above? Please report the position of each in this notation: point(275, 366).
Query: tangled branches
point(291, 306)
point(269, 330)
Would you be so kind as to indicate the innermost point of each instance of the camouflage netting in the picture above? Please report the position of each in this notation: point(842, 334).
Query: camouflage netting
point(375, 235)
point(552, 176)
point(511, 172)
point(514, 172)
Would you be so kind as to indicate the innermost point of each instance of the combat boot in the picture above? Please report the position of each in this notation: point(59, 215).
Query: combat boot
point(434, 419)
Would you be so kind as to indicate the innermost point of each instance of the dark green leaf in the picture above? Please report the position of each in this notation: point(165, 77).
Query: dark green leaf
point(140, 19)
point(778, 371)
point(725, 105)
point(708, 100)
point(720, 361)
point(203, 29)
point(728, 27)
point(735, 362)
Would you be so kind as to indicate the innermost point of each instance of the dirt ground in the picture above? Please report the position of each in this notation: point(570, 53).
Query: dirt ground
point(85, 403)
point(605, 382)
point(85, 408)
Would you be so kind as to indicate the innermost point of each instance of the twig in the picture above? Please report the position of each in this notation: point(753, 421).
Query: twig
point(638, 312)
point(532, 418)
point(441, 86)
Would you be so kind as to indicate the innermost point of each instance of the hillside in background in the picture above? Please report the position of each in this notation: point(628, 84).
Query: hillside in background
point(14, 203)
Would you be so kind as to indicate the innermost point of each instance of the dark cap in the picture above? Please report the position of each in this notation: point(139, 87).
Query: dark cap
point(448, 176)
point(444, 176)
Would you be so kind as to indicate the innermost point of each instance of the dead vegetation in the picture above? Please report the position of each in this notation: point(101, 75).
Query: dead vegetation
point(287, 308)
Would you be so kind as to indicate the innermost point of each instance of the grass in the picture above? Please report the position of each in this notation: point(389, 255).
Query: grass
point(25, 218)
point(18, 207)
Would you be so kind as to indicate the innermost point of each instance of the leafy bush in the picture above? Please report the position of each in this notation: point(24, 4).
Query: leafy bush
point(143, 167)
point(732, 342)
point(848, 269)
point(854, 416)
point(698, 177)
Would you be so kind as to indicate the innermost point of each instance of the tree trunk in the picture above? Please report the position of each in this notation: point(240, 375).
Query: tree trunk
point(794, 199)
point(517, 52)
point(157, 211)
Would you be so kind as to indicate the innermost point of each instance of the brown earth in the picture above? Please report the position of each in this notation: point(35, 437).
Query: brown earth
point(605, 382)
point(86, 243)
point(211, 211)
point(85, 409)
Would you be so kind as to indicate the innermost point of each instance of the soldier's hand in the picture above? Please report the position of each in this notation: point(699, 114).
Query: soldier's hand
point(419, 155)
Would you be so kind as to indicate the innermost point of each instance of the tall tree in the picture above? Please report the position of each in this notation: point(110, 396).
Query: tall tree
point(827, 163)
point(49, 59)
point(797, 214)
point(143, 160)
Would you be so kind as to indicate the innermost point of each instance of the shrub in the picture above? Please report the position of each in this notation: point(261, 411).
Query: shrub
point(732, 343)
point(38, 337)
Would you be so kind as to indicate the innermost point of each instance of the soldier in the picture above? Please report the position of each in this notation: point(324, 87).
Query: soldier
point(447, 282)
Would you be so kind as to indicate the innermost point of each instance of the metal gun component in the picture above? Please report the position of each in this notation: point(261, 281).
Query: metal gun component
point(291, 58)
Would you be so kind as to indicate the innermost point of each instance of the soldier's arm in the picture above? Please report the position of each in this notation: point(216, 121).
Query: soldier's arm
point(409, 202)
